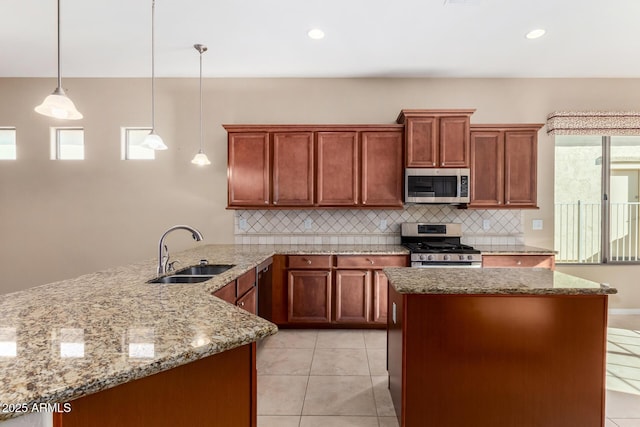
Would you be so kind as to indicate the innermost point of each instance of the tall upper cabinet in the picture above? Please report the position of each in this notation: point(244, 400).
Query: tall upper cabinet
point(436, 138)
point(298, 166)
point(504, 166)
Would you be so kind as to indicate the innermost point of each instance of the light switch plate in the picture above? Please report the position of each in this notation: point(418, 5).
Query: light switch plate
point(307, 224)
point(243, 224)
point(486, 224)
point(536, 224)
point(383, 224)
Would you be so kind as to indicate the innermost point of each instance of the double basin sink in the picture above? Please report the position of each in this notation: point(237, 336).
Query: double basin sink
point(194, 274)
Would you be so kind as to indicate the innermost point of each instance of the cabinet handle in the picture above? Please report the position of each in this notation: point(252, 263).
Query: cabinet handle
point(275, 203)
point(433, 164)
point(308, 261)
point(508, 202)
point(370, 261)
point(499, 202)
point(241, 303)
point(519, 262)
point(266, 202)
point(442, 164)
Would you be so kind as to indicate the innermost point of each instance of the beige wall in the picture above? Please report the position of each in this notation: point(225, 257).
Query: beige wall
point(61, 219)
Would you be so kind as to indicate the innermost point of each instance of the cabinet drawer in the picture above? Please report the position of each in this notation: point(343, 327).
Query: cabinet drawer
point(371, 261)
point(248, 301)
point(227, 293)
point(309, 261)
point(515, 261)
point(246, 281)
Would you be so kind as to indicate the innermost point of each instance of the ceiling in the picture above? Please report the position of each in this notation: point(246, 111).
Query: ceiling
point(364, 38)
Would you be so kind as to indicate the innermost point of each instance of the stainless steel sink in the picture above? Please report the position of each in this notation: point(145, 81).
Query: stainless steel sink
point(194, 274)
point(205, 270)
point(180, 279)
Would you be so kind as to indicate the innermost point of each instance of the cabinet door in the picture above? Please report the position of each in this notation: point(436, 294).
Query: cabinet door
point(382, 171)
point(248, 169)
point(248, 301)
point(521, 155)
point(353, 299)
point(422, 142)
point(309, 296)
point(293, 169)
point(338, 175)
point(519, 261)
point(380, 291)
point(487, 169)
point(454, 142)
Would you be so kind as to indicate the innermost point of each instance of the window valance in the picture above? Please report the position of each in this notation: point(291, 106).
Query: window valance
point(605, 123)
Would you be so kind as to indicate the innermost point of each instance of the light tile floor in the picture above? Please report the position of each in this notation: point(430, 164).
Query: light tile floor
point(338, 378)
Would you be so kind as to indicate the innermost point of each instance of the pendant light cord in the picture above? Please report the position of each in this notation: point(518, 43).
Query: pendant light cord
point(153, 67)
point(59, 74)
point(200, 99)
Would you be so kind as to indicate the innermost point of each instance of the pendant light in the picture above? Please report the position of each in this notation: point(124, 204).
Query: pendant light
point(200, 159)
point(58, 105)
point(153, 140)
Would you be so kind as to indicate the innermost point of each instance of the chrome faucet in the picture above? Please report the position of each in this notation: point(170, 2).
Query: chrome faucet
point(163, 253)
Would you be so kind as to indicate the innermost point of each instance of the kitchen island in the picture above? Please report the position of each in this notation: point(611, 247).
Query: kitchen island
point(110, 349)
point(496, 347)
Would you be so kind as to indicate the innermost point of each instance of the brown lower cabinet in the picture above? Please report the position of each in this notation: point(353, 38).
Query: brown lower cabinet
point(497, 360)
point(331, 290)
point(241, 292)
point(218, 390)
point(519, 261)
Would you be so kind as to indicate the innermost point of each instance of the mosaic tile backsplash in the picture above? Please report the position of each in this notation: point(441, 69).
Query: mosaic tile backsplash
point(351, 226)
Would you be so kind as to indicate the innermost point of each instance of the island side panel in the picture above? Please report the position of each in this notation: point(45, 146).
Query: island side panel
point(395, 349)
point(217, 390)
point(504, 360)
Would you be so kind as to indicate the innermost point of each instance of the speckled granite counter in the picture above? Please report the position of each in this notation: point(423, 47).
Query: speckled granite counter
point(512, 250)
point(71, 338)
point(505, 281)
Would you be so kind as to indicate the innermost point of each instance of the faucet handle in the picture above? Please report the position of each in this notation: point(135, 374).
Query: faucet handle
point(171, 266)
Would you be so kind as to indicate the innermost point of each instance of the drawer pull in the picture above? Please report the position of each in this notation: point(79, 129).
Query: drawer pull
point(241, 303)
point(370, 261)
point(518, 262)
point(308, 261)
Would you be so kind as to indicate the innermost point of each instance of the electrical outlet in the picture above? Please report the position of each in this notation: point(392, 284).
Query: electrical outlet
point(383, 224)
point(307, 224)
point(486, 224)
point(536, 224)
point(243, 224)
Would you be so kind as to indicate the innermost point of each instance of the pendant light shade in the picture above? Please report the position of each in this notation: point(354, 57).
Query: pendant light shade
point(58, 105)
point(200, 159)
point(153, 140)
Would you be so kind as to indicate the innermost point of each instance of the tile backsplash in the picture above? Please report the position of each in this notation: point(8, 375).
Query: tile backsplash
point(352, 226)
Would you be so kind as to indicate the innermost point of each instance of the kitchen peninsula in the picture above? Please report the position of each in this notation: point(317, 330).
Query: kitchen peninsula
point(122, 351)
point(496, 347)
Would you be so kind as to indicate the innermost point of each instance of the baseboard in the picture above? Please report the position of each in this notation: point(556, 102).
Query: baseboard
point(624, 311)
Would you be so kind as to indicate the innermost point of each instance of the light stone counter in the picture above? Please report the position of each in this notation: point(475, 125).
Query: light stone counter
point(71, 338)
point(494, 281)
point(512, 250)
point(75, 337)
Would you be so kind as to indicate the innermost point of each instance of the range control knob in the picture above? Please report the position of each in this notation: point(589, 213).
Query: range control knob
point(447, 258)
point(470, 257)
point(430, 258)
point(422, 257)
point(461, 257)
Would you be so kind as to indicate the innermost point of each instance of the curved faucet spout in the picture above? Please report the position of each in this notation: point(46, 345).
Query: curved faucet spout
point(163, 251)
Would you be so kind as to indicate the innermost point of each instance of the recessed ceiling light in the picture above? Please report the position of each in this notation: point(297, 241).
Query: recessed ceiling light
point(534, 34)
point(316, 34)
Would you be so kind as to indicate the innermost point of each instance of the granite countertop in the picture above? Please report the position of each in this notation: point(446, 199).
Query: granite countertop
point(71, 338)
point(501, 281)
point(512, 250)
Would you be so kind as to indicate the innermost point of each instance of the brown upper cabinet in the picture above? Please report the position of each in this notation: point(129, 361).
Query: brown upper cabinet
point(315, 166)
point(436, 138)
point(504, 166)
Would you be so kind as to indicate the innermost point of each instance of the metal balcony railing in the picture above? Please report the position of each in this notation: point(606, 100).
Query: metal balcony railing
point(578, 235)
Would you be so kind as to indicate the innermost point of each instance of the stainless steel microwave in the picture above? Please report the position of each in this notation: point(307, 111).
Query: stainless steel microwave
point(441, 186)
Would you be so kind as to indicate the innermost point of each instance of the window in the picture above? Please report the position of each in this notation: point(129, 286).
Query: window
point(67, 144)
point(131, 148)
point(597, 180)
point(7, 144)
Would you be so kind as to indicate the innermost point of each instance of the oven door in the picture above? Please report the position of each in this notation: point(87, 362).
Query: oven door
point(431, 264)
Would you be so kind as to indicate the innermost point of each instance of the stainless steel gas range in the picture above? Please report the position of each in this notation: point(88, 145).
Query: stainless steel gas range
point(438, 245)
